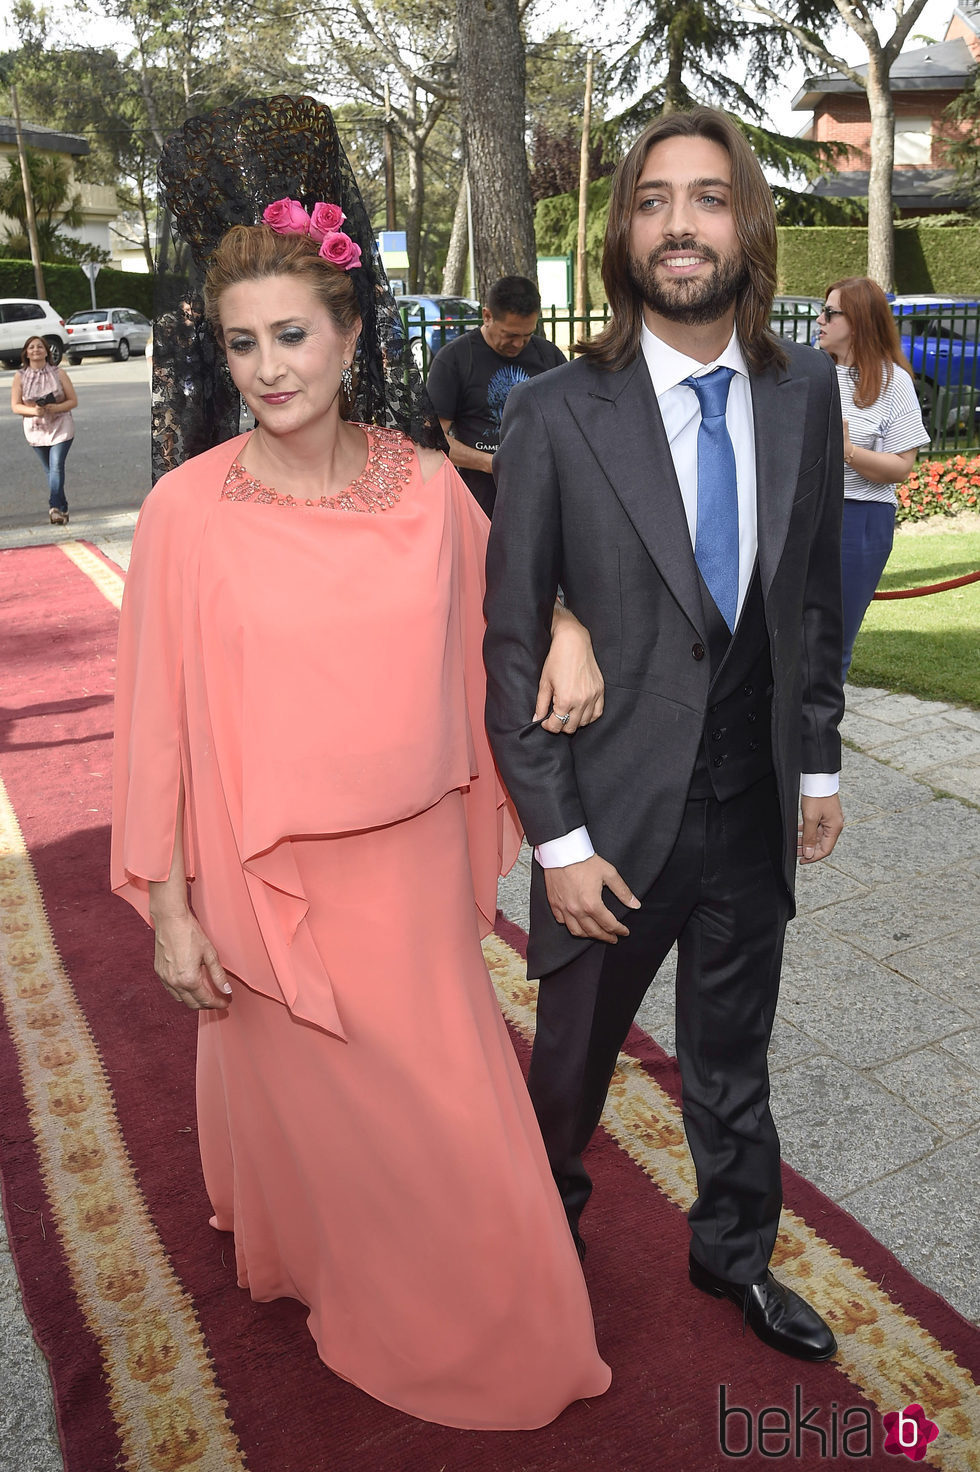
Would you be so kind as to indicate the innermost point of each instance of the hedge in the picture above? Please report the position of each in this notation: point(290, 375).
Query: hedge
point(936, 258)
point(68, 289)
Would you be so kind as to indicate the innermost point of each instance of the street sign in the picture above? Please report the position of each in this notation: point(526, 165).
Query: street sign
point(92, 269)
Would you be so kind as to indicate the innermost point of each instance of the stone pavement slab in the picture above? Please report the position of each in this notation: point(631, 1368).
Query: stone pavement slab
point(917, 841)
point(870, 782)
point(895, 917)
point(865, 1014)
point(842, 1129)
point(920, 753)
point(927, 1215)
point(949, 967)
point(940, 1087)
point(28, 1437)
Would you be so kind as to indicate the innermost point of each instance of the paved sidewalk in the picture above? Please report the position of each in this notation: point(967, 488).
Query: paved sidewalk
point(876, 1050)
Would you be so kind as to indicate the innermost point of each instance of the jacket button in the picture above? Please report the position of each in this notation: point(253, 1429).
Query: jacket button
point(751, 717)
point(698, 651)
point(753, 746)
point(716, 735)
point(712, 708)
point(747, 690)
point(716, 761)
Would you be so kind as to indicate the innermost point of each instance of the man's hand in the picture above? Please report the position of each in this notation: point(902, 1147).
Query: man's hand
point(187, 963)
point(575, 896)
point(822, 823)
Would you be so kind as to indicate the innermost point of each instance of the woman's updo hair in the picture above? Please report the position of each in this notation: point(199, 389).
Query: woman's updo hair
point(251, 252)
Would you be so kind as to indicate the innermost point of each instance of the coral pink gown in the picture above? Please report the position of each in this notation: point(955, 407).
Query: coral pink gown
point(314, 673)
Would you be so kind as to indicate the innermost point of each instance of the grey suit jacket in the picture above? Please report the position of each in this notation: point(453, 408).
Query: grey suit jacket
point(587, 498)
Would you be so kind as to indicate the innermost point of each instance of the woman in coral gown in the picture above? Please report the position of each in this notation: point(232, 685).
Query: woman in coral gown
point(306, 809)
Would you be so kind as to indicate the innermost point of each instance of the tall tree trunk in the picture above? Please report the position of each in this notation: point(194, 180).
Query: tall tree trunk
point(881, 236)
point(454, 271)
point(144, 208)
point(674, 98)
point(492, 108)
point(416, 203)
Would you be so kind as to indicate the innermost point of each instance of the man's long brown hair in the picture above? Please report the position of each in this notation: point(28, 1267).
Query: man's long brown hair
point(875, 342)
point(755, 226)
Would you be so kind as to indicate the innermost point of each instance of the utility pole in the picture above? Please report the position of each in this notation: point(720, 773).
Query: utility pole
point(469, 233)
point(28, 200)
point(389, 164)
point(581, 258)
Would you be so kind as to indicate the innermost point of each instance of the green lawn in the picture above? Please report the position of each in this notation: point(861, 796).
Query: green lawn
point(929, 646)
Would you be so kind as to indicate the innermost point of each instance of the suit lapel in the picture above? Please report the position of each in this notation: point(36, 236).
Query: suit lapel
point(779, 413)
point(620, 420)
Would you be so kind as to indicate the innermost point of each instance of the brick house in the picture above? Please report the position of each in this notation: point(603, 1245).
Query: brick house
point(924, 82)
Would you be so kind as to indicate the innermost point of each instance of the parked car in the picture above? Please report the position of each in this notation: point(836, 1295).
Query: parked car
point(118, 331)
point(940, 339)
point(436, 319)
point(24, 317)
point(796, 317)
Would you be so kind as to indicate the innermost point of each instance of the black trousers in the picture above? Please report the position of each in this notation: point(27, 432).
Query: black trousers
point(721, 897)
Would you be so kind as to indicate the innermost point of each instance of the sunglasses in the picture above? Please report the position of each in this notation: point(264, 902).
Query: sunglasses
point(829, 313)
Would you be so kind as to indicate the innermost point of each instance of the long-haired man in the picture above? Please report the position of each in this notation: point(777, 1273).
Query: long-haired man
point(681, 480)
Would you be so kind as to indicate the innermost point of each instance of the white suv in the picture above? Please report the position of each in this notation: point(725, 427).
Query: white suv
point(21, 318)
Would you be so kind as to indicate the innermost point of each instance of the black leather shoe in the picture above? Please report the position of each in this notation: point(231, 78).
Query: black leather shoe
point(774, 1313)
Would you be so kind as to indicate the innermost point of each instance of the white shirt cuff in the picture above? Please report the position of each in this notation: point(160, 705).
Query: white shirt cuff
point(819, 784)
point(571, 848)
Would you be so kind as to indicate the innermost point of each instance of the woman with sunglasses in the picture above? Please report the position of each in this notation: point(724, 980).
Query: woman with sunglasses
point(882, 430)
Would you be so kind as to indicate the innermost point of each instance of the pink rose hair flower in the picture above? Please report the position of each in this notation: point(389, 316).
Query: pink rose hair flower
point(325, 219)
point(340, 250)
point(286, 217)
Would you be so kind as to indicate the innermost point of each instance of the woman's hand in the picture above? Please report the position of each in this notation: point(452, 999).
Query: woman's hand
point(571, 682)
point(187, 963)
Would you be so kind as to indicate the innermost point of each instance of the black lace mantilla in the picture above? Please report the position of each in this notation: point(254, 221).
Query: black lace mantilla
point(222, 170)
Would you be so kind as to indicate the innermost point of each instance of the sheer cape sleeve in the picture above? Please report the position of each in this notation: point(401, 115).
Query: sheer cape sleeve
point(148, 751)
point(307, 673)
point(493, 827)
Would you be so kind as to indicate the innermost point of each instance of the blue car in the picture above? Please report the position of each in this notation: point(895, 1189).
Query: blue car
point(433, 320)
point(941, 339)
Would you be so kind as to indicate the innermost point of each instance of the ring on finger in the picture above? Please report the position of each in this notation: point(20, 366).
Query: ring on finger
point(561, 719)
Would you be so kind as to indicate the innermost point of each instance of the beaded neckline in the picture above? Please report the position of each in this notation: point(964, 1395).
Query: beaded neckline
point(378, 487)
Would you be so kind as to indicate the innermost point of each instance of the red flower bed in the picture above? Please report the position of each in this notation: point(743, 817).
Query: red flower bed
point(940, 487)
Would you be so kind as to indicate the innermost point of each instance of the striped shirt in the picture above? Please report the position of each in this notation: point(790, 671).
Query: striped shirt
point(891, 424)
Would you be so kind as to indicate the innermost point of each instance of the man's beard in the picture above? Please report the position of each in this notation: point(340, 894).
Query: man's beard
point(692, 300)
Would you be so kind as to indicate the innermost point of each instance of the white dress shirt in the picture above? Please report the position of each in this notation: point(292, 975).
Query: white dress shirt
point(681, 414)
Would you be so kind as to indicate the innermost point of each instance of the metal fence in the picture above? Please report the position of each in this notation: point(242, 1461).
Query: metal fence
point(941, 341)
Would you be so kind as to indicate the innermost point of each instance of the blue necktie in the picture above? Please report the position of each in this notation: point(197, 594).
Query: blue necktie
point(716, 541)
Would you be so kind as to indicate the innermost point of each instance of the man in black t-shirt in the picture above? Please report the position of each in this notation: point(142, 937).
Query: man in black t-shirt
point(471, 376)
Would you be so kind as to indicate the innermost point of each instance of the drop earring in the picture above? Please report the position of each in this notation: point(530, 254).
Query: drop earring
point(347, 381)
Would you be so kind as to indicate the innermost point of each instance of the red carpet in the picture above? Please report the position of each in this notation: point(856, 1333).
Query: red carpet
point(160, 1362)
